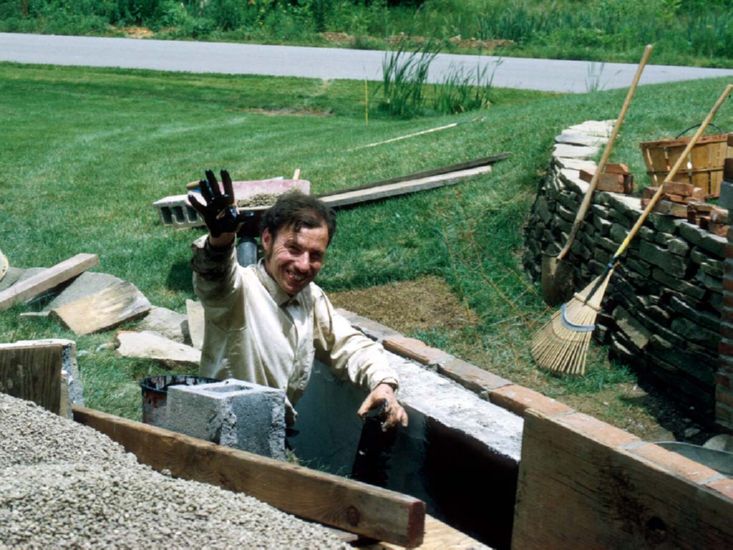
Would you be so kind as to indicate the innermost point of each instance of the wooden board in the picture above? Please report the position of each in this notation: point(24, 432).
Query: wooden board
point(579, 492)
point(47, 279)
point(103, 310)
point(351, 197)
point(325, 498)
point(476, 163)
point(438, 536)
point(32, 371)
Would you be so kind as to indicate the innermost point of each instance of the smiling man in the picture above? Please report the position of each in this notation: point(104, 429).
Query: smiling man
point(266, 323)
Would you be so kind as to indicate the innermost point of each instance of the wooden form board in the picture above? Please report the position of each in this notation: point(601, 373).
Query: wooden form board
point(577, 491)
point(419, 181)
point(32, 371)
point(47, 279)
point(349, 197)
point(103, 310)
point(325, 498)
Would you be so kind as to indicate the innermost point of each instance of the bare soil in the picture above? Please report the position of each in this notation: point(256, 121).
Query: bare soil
point(428, 304)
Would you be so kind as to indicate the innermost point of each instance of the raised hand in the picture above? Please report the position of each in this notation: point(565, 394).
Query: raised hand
point(220, 211)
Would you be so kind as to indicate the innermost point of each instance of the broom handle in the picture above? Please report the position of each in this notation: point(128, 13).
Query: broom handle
point(606, 154)
point(672, 174)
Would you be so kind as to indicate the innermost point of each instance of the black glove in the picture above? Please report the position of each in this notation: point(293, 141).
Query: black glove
point(220, 211)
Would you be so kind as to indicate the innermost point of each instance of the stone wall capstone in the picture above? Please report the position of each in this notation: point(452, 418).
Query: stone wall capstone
point(662, 310)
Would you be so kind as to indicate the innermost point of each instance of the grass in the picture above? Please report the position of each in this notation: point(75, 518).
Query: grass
point(87, 151)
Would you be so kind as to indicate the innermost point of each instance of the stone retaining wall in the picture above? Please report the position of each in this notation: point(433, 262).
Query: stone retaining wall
point(662, 310)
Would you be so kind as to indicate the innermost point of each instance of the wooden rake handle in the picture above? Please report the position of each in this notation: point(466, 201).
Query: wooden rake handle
point(672, 173)
point(583, 210)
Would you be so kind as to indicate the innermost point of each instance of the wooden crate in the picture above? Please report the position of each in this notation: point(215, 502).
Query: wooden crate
point(704, 167)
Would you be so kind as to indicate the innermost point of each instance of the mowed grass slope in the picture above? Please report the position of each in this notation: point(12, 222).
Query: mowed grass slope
point(85, 153)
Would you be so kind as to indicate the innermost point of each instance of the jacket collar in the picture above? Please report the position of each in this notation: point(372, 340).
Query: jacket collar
point(280, 297)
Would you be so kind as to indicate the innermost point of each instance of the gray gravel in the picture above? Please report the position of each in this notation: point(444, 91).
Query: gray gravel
point(65, 485)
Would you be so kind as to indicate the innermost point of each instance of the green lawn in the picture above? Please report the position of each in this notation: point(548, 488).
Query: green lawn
point(85, 153)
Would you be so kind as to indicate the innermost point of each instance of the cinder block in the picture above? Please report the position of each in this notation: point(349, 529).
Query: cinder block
point(233, 413)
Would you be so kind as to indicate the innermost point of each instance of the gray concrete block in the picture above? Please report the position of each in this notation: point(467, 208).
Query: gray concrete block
point(233, 413)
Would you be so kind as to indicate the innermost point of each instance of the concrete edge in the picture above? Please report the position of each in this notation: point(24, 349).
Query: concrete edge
point(519, 399)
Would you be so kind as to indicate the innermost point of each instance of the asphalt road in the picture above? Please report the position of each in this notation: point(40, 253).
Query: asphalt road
point(325, 63)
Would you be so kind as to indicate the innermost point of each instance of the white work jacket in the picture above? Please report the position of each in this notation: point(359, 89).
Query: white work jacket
point(255, 332)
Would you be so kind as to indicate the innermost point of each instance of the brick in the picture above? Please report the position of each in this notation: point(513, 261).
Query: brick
point(675, 463)
point(471, 377)
point(415, 349)
point(724, 380)
point(723, 487)
point(518, 399)
point(598, 430)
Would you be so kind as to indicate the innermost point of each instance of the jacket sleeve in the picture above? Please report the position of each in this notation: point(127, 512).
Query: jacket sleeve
point(348, 351)
point(215, 276)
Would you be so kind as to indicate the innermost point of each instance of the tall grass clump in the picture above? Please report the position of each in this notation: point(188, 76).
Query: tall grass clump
point(464, 90)
point(404, 78)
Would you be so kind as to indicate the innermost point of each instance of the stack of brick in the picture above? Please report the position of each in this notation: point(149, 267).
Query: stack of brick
point(662, 310)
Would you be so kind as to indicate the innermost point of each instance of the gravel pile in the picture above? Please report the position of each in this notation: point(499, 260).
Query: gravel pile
point(65, 485)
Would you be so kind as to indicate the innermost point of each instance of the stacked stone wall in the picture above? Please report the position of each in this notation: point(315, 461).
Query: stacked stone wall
point(662, 311)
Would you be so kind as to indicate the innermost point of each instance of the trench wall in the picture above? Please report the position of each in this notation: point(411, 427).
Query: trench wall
point(662, 310)
point(582, 483)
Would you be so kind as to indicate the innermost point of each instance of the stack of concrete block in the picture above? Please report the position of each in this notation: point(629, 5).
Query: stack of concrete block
point(662, 310)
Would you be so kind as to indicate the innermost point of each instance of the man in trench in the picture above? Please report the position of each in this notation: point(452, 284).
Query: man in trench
point(266, 322)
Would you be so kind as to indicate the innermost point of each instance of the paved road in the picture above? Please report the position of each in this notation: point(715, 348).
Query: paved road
point(326, 63)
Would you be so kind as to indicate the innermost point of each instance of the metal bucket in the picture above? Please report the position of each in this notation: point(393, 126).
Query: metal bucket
point(155, 394)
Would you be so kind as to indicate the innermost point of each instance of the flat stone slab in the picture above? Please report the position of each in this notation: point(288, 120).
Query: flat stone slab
point(85, 284)
point(151, 345)
point(165, 322)
point(574, 151)
point(103, 310)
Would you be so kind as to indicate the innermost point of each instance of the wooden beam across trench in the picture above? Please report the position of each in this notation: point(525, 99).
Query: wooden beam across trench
point(325, 498)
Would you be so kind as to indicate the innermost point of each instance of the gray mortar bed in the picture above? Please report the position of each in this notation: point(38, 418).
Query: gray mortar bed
point(66, 485)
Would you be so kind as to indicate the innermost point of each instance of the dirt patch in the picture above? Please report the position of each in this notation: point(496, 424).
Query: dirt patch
point(424, 304)
point(137, 32)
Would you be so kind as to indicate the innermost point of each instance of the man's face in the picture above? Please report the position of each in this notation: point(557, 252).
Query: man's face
point(294, 259)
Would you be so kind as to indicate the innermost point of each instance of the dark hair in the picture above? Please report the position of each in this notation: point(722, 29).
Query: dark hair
point(297, 210)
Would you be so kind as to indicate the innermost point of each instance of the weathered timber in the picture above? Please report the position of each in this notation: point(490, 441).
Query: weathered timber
point(103, 310)
point(606, 493)
point(32, 371)
point(47, 279)
point(332, 500)
point(476, 163)
point(358, 196)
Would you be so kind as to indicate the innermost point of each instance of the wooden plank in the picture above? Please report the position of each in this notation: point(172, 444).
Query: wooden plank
point(438, 536)
point(580, 488)
point(484, 161)
point(332, 500)
point(32, 371)
point(351, 197)
point(106, 309)
point(47, 279)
